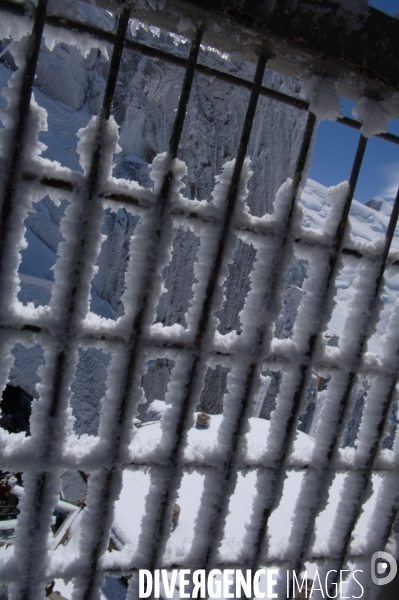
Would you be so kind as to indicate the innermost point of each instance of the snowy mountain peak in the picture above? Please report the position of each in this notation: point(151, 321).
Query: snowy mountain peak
point(380, 205)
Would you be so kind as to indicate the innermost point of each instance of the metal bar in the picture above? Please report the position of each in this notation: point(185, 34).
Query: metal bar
point(192, 64)
point(276, 563)
point(373, 451)
point(305, 368)
point(271, 359)
point(292, 467)
point(367, 472)
point(228, 474)
point(388, 137)
point(231, 198)
point(306, 143)
point(108, 36)
point(67, 332)
point(316, 478)
point(8, 199)
point(137, 333)
point(21, 121)
point(202, 327)
point(13, 7)
point(136, 337)
point(184, 211)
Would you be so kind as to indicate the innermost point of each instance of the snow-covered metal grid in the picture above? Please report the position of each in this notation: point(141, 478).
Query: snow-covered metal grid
point(67, 323)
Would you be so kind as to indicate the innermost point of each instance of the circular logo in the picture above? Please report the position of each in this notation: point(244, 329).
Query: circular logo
point(383, 568)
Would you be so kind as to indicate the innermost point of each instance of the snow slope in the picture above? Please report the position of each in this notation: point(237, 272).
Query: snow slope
point(366, 225)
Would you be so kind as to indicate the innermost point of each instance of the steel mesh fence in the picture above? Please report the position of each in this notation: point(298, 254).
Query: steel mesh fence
point(67, 324)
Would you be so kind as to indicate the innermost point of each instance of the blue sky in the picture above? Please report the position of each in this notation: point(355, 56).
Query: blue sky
point(335, 150)
point(336, 146)
point(389, 6)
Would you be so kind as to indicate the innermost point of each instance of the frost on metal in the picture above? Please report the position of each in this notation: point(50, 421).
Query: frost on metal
point(373, 116)
point(322, 96)
point(163, 256)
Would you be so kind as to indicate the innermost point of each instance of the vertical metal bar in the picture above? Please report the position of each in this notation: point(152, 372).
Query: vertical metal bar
point(67, 333)
point(219, 495)
point(162, 201)
point(215, 526)
point(136, 335)
point(92, 184)
point(305, 368)
point(185, 94)
point(367, 470)
point(123, 22)
point(357, 163)
point(173, 462)
point(12, 175)
point(319, 476)
point(231, 197)
point(30, 568)
point(22, 117)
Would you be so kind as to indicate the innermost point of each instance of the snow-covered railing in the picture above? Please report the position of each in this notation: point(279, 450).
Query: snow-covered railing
point(133, 339)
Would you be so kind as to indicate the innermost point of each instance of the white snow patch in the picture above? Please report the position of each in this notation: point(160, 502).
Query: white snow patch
point(373, 116)
point(322, 96)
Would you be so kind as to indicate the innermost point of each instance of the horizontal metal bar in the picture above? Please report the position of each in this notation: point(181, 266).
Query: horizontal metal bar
point(388, 137)
point(292, 467)
point(278, 361)
point(269, 563)
point(304, 37)
point(15, 8)
point(190, 213)
point(145, 50)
